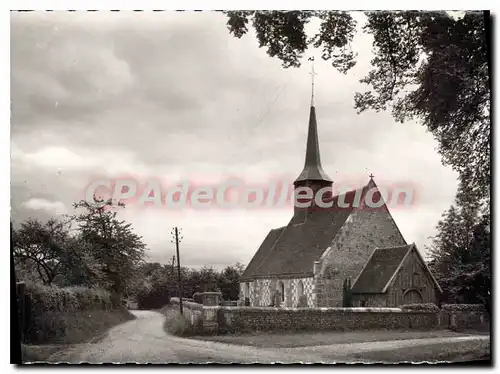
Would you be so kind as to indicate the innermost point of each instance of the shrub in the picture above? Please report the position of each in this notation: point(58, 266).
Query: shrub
point(43, 299)
point(49, 310)
point(463, 308)
point(72, 327)
point(425, 307)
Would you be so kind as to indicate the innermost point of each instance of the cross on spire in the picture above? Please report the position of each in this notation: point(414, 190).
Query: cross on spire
point(312, 73)
point(312, 167)
point(371, 176)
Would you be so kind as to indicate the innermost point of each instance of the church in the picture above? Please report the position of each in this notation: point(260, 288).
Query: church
point(322, 253)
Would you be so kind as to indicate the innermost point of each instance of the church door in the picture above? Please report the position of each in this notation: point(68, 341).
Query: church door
point(412, 297)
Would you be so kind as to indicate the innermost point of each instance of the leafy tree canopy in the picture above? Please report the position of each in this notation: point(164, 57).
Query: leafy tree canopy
point(111, 241)
point(461, 251)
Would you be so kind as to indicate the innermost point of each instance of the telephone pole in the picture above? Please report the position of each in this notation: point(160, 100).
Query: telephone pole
point(175, 234)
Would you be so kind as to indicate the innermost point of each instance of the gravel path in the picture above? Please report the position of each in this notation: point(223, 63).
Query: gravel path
point(143, 340)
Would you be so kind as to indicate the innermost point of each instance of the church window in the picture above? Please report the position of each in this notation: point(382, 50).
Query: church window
point(281, 289)
point(300, 289)
point(247, 289)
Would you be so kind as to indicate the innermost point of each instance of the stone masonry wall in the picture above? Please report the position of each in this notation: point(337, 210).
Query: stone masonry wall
point(261, 290)
point(363, 231)
point(222, 319)
point(192, 311)
point(248, 319)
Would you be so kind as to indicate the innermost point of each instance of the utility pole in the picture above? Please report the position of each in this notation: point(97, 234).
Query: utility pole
point(176, 238)
point(173, 264)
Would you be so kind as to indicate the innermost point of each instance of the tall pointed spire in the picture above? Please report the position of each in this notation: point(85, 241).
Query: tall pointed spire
point(312, 168)
point(313, 73)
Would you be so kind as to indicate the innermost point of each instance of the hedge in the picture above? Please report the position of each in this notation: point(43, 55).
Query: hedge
point(427, 307)
point(51, 312)
point(42, 299)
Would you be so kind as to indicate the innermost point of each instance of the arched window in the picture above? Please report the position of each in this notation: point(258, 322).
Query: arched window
point(281, 290)
point(247, 289)
point(300, 289)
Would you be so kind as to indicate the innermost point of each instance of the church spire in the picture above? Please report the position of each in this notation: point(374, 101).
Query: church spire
point(312, 168)
point(313, 73)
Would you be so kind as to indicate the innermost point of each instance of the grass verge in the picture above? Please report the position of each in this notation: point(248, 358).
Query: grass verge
point(176, 323)
point(74, 328)
point(433, 353)
point(316, 338)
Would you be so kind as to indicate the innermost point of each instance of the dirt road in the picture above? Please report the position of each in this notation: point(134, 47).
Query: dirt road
point(143, 340)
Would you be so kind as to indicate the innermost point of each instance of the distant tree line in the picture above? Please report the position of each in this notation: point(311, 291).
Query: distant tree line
point(157, 283)
point(94, 249)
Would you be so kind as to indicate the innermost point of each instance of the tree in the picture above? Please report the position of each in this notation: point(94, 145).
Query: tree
point(110, 241)
point(40, 247)
point(429, 66)
point(240, 268)
point(461, 251)
point(229, 282)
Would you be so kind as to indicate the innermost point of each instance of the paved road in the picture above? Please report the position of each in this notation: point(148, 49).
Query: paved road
point(143, 340)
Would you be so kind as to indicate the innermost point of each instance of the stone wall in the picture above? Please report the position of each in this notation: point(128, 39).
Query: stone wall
point(363, 231)
point(203, 317)
point(465, 316)
point(249, 319)
point(191, 310)
point(223, 319)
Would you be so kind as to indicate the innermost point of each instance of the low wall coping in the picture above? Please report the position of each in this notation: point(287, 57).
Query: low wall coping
point(188, 304)
point(324, 309)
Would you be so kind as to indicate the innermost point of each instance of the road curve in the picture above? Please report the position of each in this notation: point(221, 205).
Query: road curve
point(143, 340)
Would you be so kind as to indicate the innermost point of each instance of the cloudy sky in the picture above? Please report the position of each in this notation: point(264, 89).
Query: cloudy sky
point(173, 95)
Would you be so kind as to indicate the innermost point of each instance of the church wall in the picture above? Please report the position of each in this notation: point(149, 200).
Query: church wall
point(261, 291)
point(364, 230)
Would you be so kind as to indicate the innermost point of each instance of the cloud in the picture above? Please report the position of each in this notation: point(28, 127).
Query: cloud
point(54, 207)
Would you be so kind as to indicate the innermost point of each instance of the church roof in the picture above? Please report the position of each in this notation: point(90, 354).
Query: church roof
point(382, 267)
point(379, 269)
point(292, 249)
point(312, 167)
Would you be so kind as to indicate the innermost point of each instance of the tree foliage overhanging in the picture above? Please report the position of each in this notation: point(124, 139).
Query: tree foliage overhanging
point(427, 66)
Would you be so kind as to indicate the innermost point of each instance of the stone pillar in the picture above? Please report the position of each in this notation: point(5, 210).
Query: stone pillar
point(210, 311)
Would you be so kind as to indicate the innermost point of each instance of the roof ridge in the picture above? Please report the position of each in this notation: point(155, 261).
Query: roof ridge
point(395, 246)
